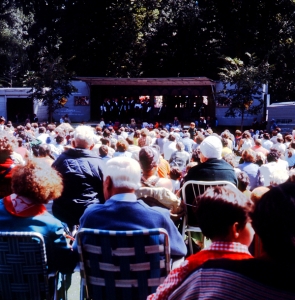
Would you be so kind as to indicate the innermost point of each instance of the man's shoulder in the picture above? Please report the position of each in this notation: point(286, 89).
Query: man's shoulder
point(156, 210)
point(93, 209)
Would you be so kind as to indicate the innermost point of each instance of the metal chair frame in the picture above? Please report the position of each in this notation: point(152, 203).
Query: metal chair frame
point(23, 267)
point(198, 188)
point(122, 264)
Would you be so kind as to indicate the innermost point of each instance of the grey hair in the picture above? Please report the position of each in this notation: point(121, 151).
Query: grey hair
point(179, 146)
point(84, 136)
point(125, 172)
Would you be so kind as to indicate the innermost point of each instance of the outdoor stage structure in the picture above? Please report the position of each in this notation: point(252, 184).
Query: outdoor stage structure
point(185, 98)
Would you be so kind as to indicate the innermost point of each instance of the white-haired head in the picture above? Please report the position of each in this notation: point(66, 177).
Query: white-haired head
point(125, 172)
point(84, 137)
point(278, 177)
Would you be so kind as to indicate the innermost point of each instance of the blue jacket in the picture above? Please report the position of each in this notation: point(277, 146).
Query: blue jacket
point(125, 215)
point(83, 184)
point(59, 255)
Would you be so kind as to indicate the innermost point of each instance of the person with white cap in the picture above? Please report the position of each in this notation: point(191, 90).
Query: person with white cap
point(211, 168)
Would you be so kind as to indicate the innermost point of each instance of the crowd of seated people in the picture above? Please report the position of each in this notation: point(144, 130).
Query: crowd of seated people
point(133, 176)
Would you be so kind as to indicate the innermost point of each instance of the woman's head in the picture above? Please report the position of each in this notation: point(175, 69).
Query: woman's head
point(246, 135)
point(122, 145)
point(144, 132)
point(36, 181)
point(249, 155)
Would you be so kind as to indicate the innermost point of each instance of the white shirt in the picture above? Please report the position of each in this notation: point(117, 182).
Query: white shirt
point(127, 197)
point(280, 147)
point(168, 148)
point(268, 169)
point(43, 137)
point(267, 144)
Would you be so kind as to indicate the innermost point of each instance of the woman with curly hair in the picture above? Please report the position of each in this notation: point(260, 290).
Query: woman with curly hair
point(33, 186)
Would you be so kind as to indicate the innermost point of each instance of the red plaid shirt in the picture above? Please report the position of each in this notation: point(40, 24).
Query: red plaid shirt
point(216, 250)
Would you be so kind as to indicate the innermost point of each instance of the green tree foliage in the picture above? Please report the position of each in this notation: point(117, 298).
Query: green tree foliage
point(149, 38)
point(51, 83)
point(243, 85)
point(15, 22)
point(172, 47)
point(265, 27)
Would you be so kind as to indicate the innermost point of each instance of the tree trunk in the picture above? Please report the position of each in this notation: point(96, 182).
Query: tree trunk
point(50, 113)
point(242, 121)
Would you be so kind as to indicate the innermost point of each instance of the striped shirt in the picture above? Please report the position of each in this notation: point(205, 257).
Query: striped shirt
point(234, 251)
point(239, 280)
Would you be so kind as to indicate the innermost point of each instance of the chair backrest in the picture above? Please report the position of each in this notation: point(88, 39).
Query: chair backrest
point(23, 272)
point(192, 189)
point(123, 264)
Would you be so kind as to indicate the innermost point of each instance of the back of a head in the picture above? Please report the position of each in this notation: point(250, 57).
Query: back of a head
point(211, 147)
point(149, 158)
point(37, 181)
point(59, 139)
point(273, 155)
point(199, 138)
point(7, 143)
point(103, 150)
point(243, 181)
point(278, 177)
point(219, 208)
point(273, 216)
point(83, 137)
point(144, 132)
point(105, 141)
point(258, 192)
point(129, 140)
point(125, 172)
point(106, 133)
point(171, 137)
point(42, 129)
point(44, 150)
point(224, 142)
point(231, 159)
point(179, 146)
point(122, 145)
point(175, 173)
point(246, 134)
point(258, 142)
point(249, 155)
point(238, 132)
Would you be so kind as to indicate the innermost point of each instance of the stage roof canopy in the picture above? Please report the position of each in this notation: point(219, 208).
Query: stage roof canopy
point(171, 81)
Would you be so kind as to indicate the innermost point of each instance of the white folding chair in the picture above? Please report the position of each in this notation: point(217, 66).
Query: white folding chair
point(194, 188)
